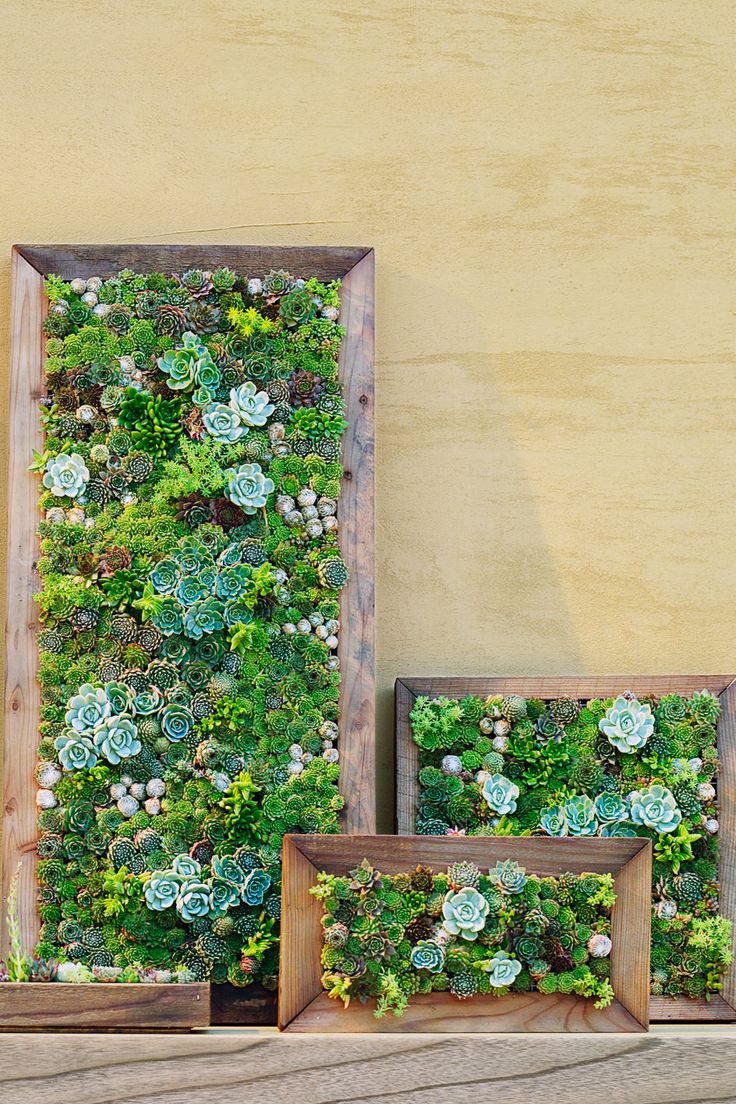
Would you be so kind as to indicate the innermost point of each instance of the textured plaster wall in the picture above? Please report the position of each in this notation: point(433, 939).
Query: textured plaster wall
point(549, 189)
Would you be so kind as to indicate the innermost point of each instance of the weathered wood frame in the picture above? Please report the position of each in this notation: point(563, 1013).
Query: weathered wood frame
point(305, 1006)
point(663, 1009)
point(30, 264)
point(105, 1006)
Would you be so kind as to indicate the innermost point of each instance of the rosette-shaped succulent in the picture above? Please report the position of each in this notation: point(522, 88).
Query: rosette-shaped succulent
point(226, 868)
point(564, 710)
point(500, 794)
point(508, 876)
point(176, 722)
point(463, 874)
point(610, 808)
point(333, 573)
point(580, 816)
point(167, 617)
point(548, 729)
point(203, 617)
point(87, 708)
point(248, 487)
point(627, 725)
point(186, 867)
point(599, 945)
point(223, 423)
point(75, 752)
point(513, 708)
point(193, 900)
point(116, 738)
point(223, 896)
point(165, 576)
point(189, 365)
point(255, 887)
point(162, 889)
point(251, 405)
point(464, 913)
point(427, 955)
point(502, 970)
point(66, 475)
point(655, 808)
point(553, 820)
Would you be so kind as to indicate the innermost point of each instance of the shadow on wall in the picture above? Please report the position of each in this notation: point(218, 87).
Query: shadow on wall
point(466, 581)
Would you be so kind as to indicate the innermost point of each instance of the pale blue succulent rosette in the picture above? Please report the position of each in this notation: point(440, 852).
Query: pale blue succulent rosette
point(427, 955)
point(116, 738)
point(655, 808)
point(580, 814)
point(66, 475)
point(162, 889)
point(553, 821)
point(251, 405)
point(193, 900)
point(500, 794)
point(628, 724)
point(248, 487)
point(75, 752)
point(508, 876)
point(464, 913)
point(502, 970)
point(87, 708)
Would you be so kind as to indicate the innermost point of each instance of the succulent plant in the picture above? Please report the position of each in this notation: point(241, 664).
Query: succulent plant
point(580, 816)
point(66, 475)
point(610, 808)
point(463, 873)
point(176, 722)
point(87, 708)
point(333, 573)
point(255, 887)
point(547, 729)
point(500, 794)
point(627, 724)
point(508, 876)
point(553, 820)
point(464, 913)
point(248, 487)
point(251, 405)
point(75, 752)
point(116, 738)
point(190, 365)
point(655, 808)
point(223, 423)
point(203, 617)
point(193, 900)
point(514, 708)
point(502, 970)
point(599, 945)
point(162, 889)
point(564, 710)
point(427, 955)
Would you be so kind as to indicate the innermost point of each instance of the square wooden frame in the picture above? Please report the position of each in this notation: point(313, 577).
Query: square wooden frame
point(30, 264)
point(305, 1006)
point(720, 1008)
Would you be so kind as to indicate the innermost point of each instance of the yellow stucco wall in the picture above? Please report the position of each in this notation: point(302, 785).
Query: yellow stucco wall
point(549, 189)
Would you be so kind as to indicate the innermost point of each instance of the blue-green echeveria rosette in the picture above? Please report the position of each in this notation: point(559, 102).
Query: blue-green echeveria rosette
point(186, 867)
point(116, 738)
point(189, 365)
point(75, 752)
point(580, 816)
point(252, 406)
point(508, 876)
point(223, 896)
point(500, 794)
point(502, 970)
point(191, 589)
point(193, 900)
point(223, 423)
point(655, 808)
point(627, 725)
point(162, 889)
point(553, 820)
point(165, 576)
point(248, 487)
point(176, 722)
point(87, 708)
point(66, 475)
point(226, 868)
point(167, 616)
point(464, 913)
point(119, 696)
point(427, 955)
point(255, 887)
point(610, 808)
point(203, 617)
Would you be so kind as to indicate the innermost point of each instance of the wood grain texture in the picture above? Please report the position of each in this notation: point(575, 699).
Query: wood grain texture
point(96, 1006)
point(406, 1069)
point(22, 694)
point(305, 1007)
point(67, 261)
point(356, 532)
point(719, 1008)
point(357, 542)
point(301, 931)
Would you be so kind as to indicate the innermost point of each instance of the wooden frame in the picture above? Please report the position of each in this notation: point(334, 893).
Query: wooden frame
point(108, 1005)
point(355, 267)
point(720, 1008)
point(305, 1006)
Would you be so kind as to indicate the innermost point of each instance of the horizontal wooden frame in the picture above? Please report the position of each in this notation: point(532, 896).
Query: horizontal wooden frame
point(355, 267)
point(32, 1005)
point(305, 1006)
point(662, 1009)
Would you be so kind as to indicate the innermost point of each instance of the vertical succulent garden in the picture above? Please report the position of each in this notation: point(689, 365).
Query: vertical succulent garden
point(189, 608)
point(507, 766)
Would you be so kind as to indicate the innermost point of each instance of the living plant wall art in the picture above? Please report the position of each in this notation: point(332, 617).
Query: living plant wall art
point(620, 765)
point(189, 485)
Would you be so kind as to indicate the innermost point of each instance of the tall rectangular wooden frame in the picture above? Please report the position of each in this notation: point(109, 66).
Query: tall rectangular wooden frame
point(305, 1006)
point(662, 1009)
point(355, 266)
